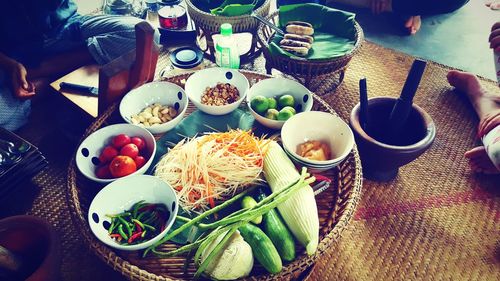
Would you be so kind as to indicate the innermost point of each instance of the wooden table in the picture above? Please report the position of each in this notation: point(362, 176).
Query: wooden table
point(86, 75)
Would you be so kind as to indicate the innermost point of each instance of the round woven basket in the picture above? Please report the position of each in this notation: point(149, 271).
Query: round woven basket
point(212, 23)
point(336, 207)
point(208, 24)
point(300, 68)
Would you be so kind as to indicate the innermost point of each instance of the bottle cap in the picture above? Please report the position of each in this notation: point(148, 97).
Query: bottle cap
point(226, 29)
point(186, 57)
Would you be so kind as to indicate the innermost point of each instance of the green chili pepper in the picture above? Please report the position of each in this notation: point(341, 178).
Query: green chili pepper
point(126, 224)
point(141, 215)
point(112, 227)
point(143, 233)
point(121, 232)
point(149, 227)
point(136, 207)
point(139, 223)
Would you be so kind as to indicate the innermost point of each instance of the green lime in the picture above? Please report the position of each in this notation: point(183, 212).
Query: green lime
point(272, 114)
point(286, 100)
point(291, 109)
point(272, 103)
point(285, 114)
point(259, 104)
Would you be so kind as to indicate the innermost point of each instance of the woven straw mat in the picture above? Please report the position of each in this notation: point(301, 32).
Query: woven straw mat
point(435, 221)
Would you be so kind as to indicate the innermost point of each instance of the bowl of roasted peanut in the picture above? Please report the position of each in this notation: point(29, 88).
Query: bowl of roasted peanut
point(156, 106)
point(217, 91)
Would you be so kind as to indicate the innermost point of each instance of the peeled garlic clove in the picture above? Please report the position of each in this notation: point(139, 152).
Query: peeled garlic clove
point(154, 120)
point(155, 110)
point(146, 115)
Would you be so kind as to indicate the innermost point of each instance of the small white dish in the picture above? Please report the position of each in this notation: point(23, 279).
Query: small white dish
point(87, 154)
point(274, 87)
point(321, 126)
point(120, 196)
point(200, 80)
point(164, 93)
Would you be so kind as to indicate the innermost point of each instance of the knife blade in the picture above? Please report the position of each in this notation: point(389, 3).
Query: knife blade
point(79, 89)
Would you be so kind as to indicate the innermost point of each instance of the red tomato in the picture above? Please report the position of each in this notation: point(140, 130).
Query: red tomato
point(129, 150)
point(107, 154)
point(141, 144)
point(120, 140)
point(103, 172)
point(122, 166)
point(139, 161)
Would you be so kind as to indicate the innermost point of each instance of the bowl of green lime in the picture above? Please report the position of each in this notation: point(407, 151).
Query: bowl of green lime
point(273, 101)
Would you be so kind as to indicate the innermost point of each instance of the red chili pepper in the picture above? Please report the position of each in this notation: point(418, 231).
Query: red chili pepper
point(134, 237)
point(321, 178)
point(137, 227)
point(116, 235)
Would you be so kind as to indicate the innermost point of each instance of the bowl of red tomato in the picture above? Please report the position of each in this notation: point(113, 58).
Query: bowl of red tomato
point(116, 151)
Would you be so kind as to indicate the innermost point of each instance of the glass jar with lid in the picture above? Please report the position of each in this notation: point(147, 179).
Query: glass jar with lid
point(172, 15)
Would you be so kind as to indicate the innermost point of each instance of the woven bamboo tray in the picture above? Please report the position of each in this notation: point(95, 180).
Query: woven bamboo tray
point(336, 207)
point(208, 25)
point(303, 69)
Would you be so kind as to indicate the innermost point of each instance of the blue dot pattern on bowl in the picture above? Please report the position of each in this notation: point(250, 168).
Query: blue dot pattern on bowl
point(298, 107)
point(229, 75)
point(96, 161)
point(179, 95)
point(85, 152)
point(177, 106)
point(95, 217)
point(173, 206)
point(305, 98)
point(106, 225)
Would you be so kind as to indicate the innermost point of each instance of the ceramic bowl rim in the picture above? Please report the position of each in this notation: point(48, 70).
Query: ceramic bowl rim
point(337, 159)
point(149, 242)
point(160, 127)
point(280, 122)
point(200, 105)
point(107, 181)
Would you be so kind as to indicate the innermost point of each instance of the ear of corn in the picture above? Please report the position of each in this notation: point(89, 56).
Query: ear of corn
point(300, 212)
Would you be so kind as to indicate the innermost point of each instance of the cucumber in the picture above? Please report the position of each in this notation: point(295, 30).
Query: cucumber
point(249, 202)
point(262, 247)
point(277, 231)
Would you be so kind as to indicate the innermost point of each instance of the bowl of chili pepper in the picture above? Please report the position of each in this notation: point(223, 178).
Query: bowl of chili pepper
point(133, 213)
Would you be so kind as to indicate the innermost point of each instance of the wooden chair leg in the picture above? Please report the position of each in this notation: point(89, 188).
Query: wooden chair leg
point(130, 70)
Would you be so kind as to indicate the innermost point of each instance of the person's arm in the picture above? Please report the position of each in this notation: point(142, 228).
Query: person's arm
point(17, 74)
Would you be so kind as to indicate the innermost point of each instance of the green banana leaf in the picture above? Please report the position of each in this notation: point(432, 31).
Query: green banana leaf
point(334, 30)
point(228, 8)
point(233, 8)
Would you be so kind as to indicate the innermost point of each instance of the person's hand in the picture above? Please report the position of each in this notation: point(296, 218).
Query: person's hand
point(495, 37)
point(21, 87)
point(379, 6)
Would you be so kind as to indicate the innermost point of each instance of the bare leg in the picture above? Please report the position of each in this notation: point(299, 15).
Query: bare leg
point(61, 63)
point(413, 23)
point(487, 107)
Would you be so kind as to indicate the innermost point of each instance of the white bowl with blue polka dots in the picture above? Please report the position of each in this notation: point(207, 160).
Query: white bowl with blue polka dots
point(275, 87)
point(120, 196)
point(198, 82)
point(87, 155)
point(161, 92)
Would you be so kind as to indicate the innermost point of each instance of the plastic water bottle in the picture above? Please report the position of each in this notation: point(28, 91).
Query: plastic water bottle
point(226, 49)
